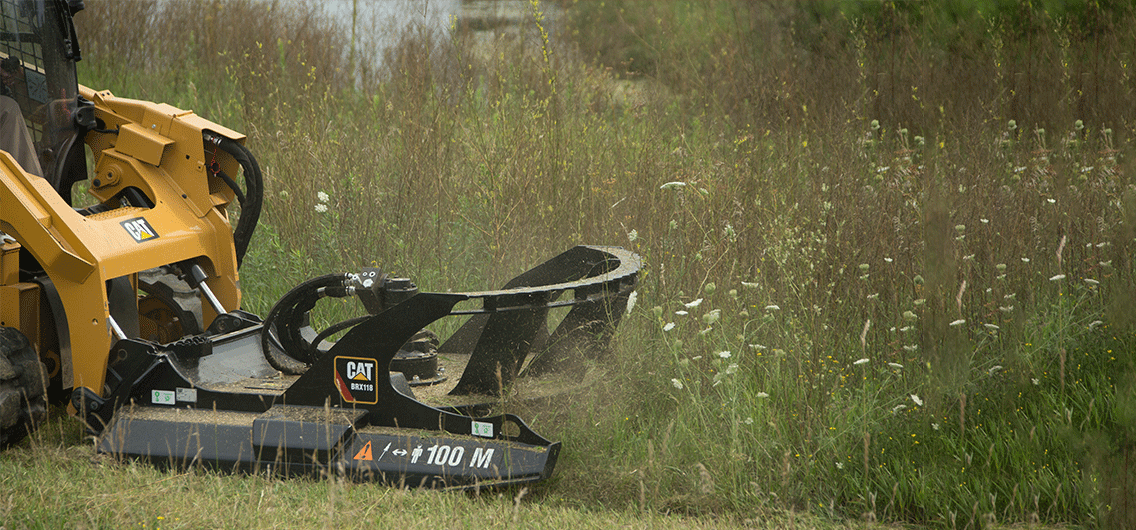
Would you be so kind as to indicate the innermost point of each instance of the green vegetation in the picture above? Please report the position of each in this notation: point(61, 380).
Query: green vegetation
point(889, 245)
point(54, 484)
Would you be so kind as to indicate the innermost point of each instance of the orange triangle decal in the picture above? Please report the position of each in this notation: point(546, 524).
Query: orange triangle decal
point(364, 453)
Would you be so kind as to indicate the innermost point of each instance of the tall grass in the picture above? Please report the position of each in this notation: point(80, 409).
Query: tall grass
point(889, 247)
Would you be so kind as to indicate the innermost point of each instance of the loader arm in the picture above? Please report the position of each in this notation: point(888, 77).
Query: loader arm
point(159, 207)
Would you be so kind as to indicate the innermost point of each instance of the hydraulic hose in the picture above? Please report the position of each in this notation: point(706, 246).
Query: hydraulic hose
point(336, 328)
point(281, 339)
point(251, 199)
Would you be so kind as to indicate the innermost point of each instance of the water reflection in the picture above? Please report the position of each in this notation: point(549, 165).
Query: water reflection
point(376, 26)
point(383, 16)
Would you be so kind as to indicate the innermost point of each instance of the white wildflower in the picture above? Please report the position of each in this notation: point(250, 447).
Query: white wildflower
point(958, 322)
point(911, 348)
point(1096, 323)
point(861, 361)
point(935, 426)
point(669, 326)
point(677, 384)
point(631, 301)
point(321, 207)
point(994, 369)
point(772, 307)
point(840, 465)
point(915, 398)
point(993, 327)
point(323, 197)
point(1057, 278)
point(633, 235)
point(896, 366)
point(672, 185)
point(694, 304)
point(750, 285)
point(1091, 281)
point(749, 420)
point(899, 408)
point(1035, 381)
point(762, 395)
point(1025, 260)
point(712, 317)
point(1052, 201)
point(681, 313)
point(732, 369)
point(724, 354)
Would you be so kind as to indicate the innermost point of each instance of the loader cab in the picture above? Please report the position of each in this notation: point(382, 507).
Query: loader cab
point(38, 52)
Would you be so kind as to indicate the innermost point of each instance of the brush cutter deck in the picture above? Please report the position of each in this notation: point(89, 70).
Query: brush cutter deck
point(216, 399)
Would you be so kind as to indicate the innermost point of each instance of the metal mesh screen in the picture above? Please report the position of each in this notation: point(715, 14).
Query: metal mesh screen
point(21, 59)
point(37, 66)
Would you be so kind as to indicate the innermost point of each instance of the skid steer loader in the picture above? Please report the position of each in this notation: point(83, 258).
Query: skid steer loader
point(128, 311)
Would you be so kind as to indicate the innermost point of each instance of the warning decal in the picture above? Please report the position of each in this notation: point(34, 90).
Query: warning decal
point(364, 453)
point(355, 378)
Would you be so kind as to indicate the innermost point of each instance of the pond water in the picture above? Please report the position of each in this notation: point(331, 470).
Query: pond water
point(482, 25)
point(384, 18)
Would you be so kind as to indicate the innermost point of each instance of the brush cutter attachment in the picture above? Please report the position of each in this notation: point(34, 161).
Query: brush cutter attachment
point(275, 396)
